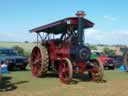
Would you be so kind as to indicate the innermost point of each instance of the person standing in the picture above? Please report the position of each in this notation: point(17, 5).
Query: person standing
point(4, 68)
point(0, 73)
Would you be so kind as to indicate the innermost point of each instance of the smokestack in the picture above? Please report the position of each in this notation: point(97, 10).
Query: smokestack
point(80, 15)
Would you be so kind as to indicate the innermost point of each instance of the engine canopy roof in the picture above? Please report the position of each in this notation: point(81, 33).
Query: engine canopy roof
point(61, 26)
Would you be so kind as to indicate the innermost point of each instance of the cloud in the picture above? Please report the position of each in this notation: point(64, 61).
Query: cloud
point(97, 37)
point(110, 18)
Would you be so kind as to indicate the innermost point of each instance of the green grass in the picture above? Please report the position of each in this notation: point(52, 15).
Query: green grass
point(115, 75)
point(24, 84)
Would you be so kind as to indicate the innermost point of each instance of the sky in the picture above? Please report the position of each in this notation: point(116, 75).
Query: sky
point(17, 17)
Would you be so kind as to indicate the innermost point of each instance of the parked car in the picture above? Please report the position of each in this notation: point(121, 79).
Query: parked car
point(12, 59)
point(118, 60)
point(107, 61)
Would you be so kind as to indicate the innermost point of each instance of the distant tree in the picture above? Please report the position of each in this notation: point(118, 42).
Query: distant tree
point(26, 42)
point(19, 49)
point(109, 51)
point(112, 53)
point(106, 50)
point(93, 47)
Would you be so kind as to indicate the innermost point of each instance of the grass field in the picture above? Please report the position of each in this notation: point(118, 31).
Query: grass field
point(21, 83)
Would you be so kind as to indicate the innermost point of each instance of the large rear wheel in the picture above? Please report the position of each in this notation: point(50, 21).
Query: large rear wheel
point(97, 71)
point(39, 61)
point(65, 71)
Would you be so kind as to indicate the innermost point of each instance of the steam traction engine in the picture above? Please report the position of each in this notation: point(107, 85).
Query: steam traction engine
point(68, 53)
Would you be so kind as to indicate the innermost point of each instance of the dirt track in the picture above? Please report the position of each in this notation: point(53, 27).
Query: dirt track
point(111, 88)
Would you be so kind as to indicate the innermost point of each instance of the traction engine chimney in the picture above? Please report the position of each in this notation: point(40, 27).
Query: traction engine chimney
point(80, 15)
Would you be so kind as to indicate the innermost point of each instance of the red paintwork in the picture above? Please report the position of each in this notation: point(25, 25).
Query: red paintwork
point(81, 66)
point(58, 50)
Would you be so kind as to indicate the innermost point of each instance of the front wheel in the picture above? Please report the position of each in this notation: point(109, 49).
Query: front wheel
point(65, 71)
point(96, 73)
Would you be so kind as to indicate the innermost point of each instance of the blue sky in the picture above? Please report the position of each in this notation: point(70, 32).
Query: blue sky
point(17, 17)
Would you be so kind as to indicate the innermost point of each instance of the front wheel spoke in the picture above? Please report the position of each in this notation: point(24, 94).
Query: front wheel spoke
point(66, 69)
point(66, 76)
point(38, 56)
